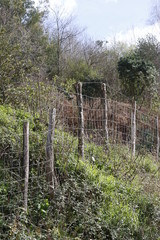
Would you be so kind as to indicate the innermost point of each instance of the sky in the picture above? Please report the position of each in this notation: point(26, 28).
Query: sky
point(121, 20)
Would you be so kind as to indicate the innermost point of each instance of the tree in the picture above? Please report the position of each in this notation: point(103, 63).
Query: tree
point(103, 58)
point(136, 75)
point(22, 44)
point(148, 48)
point(155, 12)
point(80, 71)
point(63, 41)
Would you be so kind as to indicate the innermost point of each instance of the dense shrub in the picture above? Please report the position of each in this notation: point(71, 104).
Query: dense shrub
point(101, 197)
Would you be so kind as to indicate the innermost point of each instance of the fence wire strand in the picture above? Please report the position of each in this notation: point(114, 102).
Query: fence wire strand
point(66, 142)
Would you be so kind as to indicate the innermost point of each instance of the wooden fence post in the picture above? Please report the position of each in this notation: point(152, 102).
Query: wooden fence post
point(50, 175)
point(133, 129)
point(26, 161)
point(80, 120)
point(105, 115)
point(157, 130)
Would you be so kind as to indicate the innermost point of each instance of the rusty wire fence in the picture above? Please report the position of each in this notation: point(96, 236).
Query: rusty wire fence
point(83, 126)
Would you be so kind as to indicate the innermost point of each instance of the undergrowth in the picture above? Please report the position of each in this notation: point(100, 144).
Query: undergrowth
point(107, 195)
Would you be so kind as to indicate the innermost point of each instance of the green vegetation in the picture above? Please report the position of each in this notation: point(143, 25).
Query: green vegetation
point(100, 199)
point(137, 76)
point(109, 194)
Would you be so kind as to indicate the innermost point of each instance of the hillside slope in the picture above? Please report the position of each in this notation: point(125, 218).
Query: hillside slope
point(108, 195)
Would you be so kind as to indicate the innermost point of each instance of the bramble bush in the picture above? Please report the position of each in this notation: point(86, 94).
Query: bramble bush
point(103, 198)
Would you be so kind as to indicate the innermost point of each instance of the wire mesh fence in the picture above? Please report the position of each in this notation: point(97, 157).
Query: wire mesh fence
point(87, 127)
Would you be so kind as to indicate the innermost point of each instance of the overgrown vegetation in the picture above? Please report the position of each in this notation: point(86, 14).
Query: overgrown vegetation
point(100, 199)
point(109, 194)
point(137, 76)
